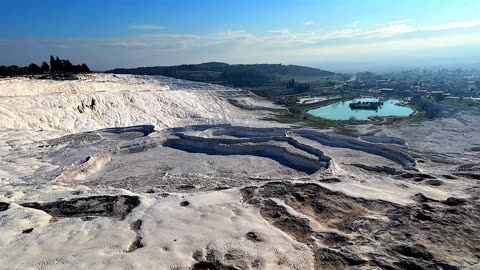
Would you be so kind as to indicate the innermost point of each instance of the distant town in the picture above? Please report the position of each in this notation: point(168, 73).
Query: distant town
point(437, 84)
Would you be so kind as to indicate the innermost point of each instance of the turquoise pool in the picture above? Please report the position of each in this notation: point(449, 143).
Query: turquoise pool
point(342, 111)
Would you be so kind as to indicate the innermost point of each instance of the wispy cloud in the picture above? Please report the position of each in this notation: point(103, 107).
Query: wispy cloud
point(308, 23)
point(399, 39)
point(390, 30)
point(162, 41)
point(458, 25)
point(283, 31)
point(401, 21)
point(395, 28)
point(286, 39)
point(146, 27)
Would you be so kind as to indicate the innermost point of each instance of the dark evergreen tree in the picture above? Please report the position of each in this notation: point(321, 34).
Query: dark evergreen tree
point(67, 66)
point(3, 71)
point(77, 69)
point(291, 84)
point(33, 69)
point(58, 65)
point(53, 66)
point(44, 68)
point(85, 68)
point(13, 70)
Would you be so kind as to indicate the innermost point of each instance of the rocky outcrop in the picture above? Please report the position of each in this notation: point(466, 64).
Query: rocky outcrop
point(351, 233)
point(95, 206)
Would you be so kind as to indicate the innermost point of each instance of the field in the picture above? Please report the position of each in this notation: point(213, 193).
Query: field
point(461, 103)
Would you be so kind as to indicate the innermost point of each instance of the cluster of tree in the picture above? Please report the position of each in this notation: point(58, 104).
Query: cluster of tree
point(289, 70)
point(288, 101)
point(301, 87)
point(32, 69)
point(296, 110)
point(432, 110)
point(57, 66)
point(241, 76)
point(236, 75)
point(273, 69)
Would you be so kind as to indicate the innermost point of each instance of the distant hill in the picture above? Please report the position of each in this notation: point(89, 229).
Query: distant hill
point(237, 75)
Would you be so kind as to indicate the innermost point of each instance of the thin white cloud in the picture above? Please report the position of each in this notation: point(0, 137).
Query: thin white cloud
point(458, 25)
point(401, 21)
point(164, 41)
point(390, 30)
point(308, 23)
point(146, 27)
point(237, 34)
point(389, 46)
point(344, 33)
point(286, 39)
point(243, 46)
point(129, 44)
point(279, 31)
point(378, 32)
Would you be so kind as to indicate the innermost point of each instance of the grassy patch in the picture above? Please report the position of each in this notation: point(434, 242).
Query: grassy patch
point(461, 103)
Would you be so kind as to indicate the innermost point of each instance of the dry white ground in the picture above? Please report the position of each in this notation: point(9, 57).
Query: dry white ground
point(192, 210)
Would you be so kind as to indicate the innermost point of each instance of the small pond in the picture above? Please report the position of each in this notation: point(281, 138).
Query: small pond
point(342, 111)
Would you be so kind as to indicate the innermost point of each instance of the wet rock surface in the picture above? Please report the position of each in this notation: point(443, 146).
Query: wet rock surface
point(354, 233)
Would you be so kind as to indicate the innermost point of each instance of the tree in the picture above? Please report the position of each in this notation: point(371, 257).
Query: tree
point(13, 70)
point(58, 65)
point(3, 71)
point(291, 84)
point(53, 65)
point(85, 68)
point(67, 66)
point(44, 68)
point(33, 69)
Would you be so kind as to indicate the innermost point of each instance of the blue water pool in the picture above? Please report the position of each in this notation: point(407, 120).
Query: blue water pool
point(342, 111)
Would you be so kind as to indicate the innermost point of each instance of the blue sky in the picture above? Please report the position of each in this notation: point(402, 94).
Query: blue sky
point(344, 35)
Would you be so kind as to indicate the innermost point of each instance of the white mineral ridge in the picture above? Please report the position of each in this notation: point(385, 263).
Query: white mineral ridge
point(90, 83)
point(120, 100)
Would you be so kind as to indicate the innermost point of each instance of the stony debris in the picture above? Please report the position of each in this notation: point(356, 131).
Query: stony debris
point(138, 241)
